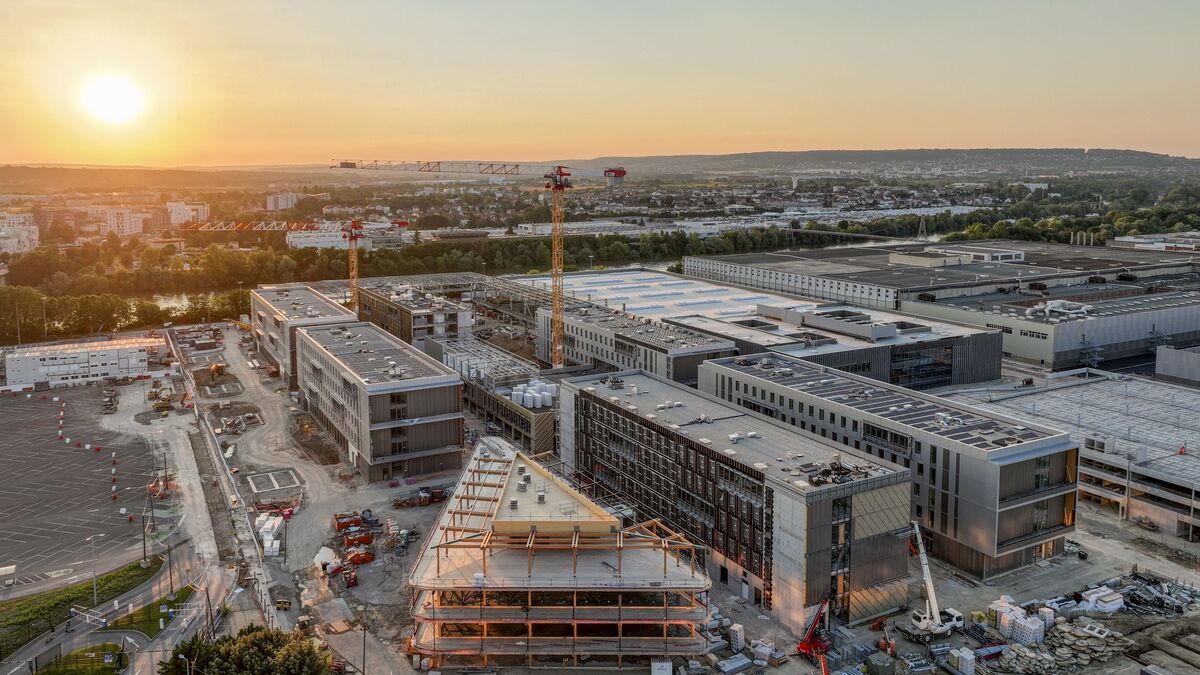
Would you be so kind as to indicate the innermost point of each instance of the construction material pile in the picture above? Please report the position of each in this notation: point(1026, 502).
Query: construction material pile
point(1068, 645)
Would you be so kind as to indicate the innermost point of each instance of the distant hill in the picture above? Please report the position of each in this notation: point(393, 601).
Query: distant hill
point(33, 179)
point(1033, 160)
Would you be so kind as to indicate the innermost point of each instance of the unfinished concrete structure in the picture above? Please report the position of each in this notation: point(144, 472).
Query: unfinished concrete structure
point(523, 570)
point(992, 493)
point(1139, 441)
point(277, 311)
point(788, 520)
point(410, 313)
point(494, 387)
point(392, 410)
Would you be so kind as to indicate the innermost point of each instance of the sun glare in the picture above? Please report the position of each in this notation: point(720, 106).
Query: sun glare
point(113, 99)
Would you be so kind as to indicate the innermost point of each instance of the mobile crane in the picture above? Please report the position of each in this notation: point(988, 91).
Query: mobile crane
point(814, 644)
point(932, 622)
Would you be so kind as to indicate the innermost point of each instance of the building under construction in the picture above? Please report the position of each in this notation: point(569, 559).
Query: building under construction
point(410, 313)
point(523, 570)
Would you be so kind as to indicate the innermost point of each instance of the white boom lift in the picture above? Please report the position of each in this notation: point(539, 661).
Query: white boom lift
point(933, 622)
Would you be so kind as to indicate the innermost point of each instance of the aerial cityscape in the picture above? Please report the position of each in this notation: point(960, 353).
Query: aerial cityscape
point(776, 338)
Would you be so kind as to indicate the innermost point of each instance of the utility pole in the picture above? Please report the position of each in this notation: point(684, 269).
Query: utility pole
point(364, 654)
point(144, 559)
point(92, 541)
point(171, 575)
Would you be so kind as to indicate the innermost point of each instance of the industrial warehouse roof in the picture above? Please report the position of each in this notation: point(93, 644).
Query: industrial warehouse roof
point(560, 541)
point(932, 414)
point(373, 354)
point(1087, 301)
point(872, 264)
point(781, 452)
point(300, 302)
point(658, 295)
point(1137, 413)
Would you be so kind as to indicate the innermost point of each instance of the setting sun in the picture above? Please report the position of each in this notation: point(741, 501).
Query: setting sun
point(114, 99)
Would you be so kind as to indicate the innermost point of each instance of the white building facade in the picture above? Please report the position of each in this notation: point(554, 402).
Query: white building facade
point(18, 234)
point(81, 362)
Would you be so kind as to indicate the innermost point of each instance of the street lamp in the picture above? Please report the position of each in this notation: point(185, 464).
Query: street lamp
point(187, 662)
point(92, 539)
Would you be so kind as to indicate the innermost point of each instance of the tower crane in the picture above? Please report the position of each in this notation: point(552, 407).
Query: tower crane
point(558, 181)
point(352, 231)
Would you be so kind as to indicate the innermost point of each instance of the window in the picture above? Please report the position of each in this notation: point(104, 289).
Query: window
point(1034, 334)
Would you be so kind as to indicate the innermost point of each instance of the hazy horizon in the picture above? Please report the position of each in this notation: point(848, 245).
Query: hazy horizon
point(296, 83)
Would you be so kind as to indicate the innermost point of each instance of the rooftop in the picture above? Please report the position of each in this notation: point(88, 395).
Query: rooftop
point(300, 302)
point(1135, 412)
point(932, 414)
point(784, 455)
point(411, 296)
point(664, 336)
point(1080, 302)
point(481, 360)
point(373, 354)
point(559, 540)
point(657, 295)
point(85, 346)
point(825, 329)
point(875, 265)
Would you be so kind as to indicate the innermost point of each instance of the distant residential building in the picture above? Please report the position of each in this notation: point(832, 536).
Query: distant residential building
point(18, 234)
point(182, 213)
point(282, 200)
point(122, 222)
point(54, 365)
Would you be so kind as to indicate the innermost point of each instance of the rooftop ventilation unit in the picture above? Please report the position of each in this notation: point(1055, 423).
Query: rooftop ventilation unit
point(541, 497)
point(520, 487)
point(521, 470)
point(512, 504)
point(527, 478)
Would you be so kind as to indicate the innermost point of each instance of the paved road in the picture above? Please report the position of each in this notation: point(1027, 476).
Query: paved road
point(183, 561)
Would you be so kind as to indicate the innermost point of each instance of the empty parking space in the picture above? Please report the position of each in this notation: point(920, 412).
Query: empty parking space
point(53, 495)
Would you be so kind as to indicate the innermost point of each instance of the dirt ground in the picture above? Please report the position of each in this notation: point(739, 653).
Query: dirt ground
point(308, 437)
point(204, 378)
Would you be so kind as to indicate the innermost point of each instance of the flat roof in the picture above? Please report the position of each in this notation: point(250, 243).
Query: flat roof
point(781, 452)
point(411, 296)
point(1088, 301)
point(1136, 412)
point(374, 355)
point(657, 295)
point(665, 336)
point(871, 264)
point(785, 335)
point(300, 302)
point(932, 414)
point(70, 347)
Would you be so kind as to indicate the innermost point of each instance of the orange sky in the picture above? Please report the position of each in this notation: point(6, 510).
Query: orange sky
point(302, 81)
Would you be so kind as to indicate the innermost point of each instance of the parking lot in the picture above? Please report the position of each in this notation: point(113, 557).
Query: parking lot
point(53, 495)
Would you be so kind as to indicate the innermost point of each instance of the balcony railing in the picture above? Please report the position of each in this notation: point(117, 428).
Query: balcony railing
point(559, 645)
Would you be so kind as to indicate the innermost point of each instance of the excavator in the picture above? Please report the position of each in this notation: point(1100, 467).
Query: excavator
point(932, 622)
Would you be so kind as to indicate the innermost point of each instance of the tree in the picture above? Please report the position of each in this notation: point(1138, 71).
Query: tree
point(432, 221)
point(254, 651)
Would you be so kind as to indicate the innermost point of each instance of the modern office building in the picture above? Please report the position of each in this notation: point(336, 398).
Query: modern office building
point(393, 411)
point(1057, 305)
point(55, 365)
point(917, 354)
point(1139, 441)
point(505, 390)
point(410, 314)
point(789, 520)
point(992, 493)
point(608, 339)
point(277, 311)
point(1181, 366)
